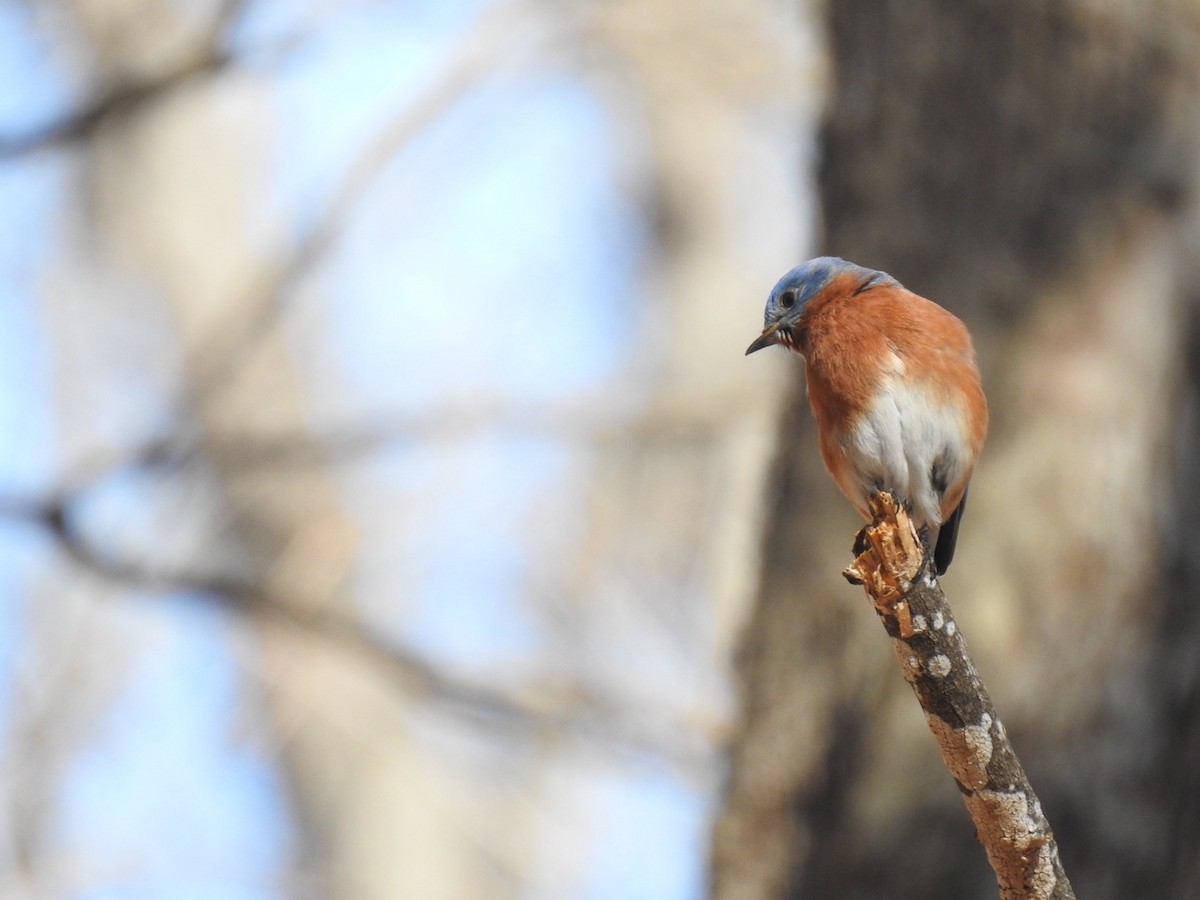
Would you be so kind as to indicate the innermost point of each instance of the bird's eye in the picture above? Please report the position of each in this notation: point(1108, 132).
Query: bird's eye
point(787, 299)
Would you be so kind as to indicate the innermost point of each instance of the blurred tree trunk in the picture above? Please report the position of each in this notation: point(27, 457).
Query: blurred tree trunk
point(1034, 169)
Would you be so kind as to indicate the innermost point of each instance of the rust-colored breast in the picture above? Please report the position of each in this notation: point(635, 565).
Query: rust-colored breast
point(852, 343)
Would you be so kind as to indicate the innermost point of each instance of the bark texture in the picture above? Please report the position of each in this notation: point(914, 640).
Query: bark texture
point(898, 575)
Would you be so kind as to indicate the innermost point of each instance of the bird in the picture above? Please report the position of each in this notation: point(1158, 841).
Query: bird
point(894, 386)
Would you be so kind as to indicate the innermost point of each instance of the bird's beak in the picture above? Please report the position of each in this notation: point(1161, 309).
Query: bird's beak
point(766, 339)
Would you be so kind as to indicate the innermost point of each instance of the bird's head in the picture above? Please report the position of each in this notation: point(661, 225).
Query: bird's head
point(783, 318)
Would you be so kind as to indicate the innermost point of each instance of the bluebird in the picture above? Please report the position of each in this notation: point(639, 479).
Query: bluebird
point(894, 387)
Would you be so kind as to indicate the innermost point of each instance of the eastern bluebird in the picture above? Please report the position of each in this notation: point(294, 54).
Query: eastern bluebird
point(893, 385)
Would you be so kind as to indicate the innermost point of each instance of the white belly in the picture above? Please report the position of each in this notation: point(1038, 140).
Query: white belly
point(896, 445)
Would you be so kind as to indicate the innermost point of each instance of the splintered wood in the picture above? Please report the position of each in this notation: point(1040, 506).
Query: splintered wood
point(891, 560)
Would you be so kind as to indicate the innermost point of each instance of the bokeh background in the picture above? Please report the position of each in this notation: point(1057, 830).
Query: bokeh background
point(387, 509)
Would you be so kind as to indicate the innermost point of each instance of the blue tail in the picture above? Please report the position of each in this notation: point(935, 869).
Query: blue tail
point(943, 554)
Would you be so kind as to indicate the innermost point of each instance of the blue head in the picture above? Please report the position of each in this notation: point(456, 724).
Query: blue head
point(792, 292)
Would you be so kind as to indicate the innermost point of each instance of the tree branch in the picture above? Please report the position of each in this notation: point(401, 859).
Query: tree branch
point(547, 707)
point(122, 99)
point(80, 124)
point(894, 568)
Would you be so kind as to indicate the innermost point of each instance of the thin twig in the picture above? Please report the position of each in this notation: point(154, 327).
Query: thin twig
point(1009, 822)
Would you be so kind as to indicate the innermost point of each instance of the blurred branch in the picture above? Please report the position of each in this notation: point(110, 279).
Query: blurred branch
point(556, 708)
point(122, 99)
point(351, 441)
point(81, 124)
point(357, 440)
point(1009, 822)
